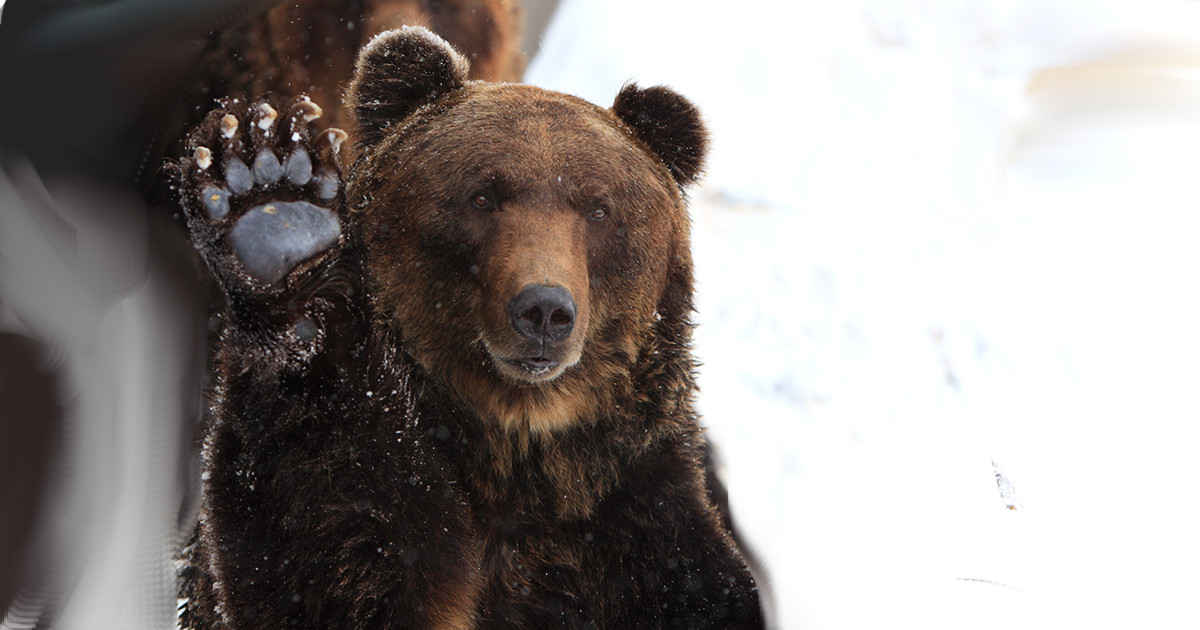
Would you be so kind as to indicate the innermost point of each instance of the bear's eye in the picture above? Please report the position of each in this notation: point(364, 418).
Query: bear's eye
point(600, 213)
point(482, 201)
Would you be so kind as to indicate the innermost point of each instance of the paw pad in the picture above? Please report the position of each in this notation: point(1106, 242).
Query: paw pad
point(238, 176)
point(273, 238)
point(298, 167)
point(267, 169)
point(216, 201)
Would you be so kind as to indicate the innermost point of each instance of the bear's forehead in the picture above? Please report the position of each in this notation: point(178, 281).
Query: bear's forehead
point(530, 138)
point(519, 116)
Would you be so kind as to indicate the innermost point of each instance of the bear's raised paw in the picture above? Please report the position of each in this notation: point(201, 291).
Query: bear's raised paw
point(262, 194)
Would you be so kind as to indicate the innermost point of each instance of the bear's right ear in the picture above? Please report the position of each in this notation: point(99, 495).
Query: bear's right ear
point(397, 72)
point(669, 124)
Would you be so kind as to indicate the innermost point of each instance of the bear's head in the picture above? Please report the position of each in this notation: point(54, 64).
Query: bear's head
point(530, 249)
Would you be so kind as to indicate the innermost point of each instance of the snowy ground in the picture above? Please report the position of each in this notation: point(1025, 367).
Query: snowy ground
point(936, 236)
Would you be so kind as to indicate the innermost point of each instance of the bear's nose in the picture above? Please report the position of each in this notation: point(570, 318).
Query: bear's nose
point(542, 313)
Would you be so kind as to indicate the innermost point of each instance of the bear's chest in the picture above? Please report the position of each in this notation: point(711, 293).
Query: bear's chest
point(534, 569)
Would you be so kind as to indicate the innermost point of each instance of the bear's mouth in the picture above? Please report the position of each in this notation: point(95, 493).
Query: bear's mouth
point(534, 367)
point(530, 366)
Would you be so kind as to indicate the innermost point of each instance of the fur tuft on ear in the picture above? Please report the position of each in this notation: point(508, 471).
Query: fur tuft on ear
point(669, 124)
point(397, 72)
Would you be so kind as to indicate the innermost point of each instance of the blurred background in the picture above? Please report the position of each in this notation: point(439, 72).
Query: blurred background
point(948, 312)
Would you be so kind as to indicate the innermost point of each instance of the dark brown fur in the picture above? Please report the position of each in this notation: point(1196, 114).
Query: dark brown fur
point(309, 47)
point(376, 463)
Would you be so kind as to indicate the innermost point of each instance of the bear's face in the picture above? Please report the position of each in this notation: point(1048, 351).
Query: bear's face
point(530, 215)
point(522, 242)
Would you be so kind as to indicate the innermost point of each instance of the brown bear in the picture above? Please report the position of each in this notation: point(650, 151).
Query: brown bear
point(455, 387)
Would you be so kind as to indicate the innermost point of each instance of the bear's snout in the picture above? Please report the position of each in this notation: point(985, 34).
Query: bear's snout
point(533, 279)
point(543, 314)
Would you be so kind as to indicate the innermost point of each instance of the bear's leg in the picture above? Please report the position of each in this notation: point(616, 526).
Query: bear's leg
point(323, 504)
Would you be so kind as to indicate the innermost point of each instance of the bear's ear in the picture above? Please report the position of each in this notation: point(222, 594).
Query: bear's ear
point(669, 124)
point(397, 72)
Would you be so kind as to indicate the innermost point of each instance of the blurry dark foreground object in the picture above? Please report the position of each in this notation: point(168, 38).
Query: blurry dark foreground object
point(97, 346)
point(86, 79)
point(30, 423)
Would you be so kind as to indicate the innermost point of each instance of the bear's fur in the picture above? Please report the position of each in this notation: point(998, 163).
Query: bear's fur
point(401, 439)
point(309, 47)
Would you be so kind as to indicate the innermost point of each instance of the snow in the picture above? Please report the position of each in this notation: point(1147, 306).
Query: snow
point(938, 240)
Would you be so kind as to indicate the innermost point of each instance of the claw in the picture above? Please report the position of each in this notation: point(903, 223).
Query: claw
point(309, 111)
point(202, 157)
point(335, 137)
point(268, 117)
point(229, 125)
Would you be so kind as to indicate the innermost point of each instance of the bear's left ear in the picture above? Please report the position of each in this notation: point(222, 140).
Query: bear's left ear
point(669, 124)
point(397, 72)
